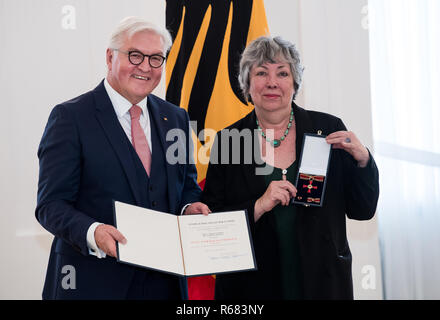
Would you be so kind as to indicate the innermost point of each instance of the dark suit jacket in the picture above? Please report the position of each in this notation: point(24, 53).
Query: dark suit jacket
point(85, 162)
point(321, 232)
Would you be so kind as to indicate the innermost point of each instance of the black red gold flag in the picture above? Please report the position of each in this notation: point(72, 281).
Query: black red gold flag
point(202, 74)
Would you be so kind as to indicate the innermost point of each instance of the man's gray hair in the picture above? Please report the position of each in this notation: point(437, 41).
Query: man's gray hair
point(129, 26)
point(267, 49)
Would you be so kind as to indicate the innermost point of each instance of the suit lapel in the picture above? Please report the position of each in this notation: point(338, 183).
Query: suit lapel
point(106, 116)
point(162, 123)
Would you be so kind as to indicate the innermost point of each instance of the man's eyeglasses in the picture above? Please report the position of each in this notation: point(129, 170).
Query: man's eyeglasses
point(136, 58)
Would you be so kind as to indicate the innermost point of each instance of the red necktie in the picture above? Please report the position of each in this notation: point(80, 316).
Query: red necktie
point(139, 139)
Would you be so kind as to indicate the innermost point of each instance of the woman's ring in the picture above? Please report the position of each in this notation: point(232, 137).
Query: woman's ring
point(348, 140)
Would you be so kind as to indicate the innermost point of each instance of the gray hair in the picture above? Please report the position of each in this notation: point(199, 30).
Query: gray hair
point(267, 49)
point(129, 26)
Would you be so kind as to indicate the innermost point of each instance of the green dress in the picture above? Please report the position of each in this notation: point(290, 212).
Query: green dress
point(284, 221)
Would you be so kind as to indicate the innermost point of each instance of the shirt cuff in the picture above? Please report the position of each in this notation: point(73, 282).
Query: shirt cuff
point(91, 243)
point(184, 208)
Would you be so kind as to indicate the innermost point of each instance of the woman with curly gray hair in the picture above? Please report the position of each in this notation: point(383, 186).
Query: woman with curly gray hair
point(301, 252)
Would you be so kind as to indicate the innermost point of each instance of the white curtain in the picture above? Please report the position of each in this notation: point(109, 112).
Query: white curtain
point(405, 82)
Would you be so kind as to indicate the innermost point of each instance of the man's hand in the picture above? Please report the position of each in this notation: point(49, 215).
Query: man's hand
point(197, 208)
point(106, 237)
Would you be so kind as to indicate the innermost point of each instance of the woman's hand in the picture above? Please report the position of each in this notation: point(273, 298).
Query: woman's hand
point(348, 141)
point(278, 192)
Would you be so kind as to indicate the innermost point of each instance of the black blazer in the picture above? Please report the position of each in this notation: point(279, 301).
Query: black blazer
point(324, 251)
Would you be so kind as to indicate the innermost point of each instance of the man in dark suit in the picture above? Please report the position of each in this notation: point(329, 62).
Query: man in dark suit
point(110, 144)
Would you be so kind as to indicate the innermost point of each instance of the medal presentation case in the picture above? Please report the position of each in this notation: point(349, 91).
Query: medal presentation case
point(312, 172)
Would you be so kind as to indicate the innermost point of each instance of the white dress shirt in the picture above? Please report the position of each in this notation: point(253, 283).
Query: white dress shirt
point(122, 107)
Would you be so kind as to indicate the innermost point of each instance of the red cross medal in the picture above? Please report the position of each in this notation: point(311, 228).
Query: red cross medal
point(311, 179)
point(310, 186)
